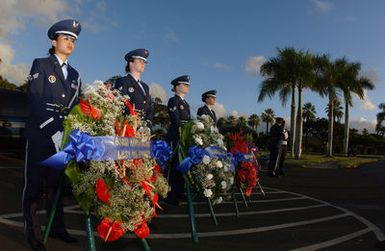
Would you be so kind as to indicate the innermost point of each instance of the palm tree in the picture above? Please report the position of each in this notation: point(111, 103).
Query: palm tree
point(337, 111)
point(284, 74)
point(253, 122)
point(380, 129)
point(268, 117)
point(309, 113)
point(242, 122)
point(329, 74)
point(352, 83)
point(232, 121)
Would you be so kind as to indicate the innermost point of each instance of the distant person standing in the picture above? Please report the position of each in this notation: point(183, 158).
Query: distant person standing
point(53, 89)
point(209, 98)
point(134, 87)
point(178, 111)
point(277, 135)
point(278, 169)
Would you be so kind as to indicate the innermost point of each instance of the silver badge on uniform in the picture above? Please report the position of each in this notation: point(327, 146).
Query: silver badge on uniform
point(52, 79)
point(181, 107)
point(131, 89)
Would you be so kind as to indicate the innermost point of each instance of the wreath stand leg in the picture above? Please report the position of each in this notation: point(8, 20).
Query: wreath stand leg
point(53, 211)
point(213, 217)
point(235, 203)
point(146, 247)
point(243, 197)
point(194, 236)
point(90, 234)
point(260, 187)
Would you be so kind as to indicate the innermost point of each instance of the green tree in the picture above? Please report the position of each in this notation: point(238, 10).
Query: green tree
point(253, 122)
point(268, 117)
point(380, 129)
point(352, 83)
point(292, 69)
point(309, 113)
point(337, 110)
point(329, 74)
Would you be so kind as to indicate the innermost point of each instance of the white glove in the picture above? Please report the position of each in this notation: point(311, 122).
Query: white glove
point(56, 139)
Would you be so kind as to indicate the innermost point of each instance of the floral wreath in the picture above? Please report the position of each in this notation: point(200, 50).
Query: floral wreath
point(121, 188)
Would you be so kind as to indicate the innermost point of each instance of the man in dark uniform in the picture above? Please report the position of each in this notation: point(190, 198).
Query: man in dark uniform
point(209, 99)
point(53, 89)
point(134, 87)
point(276, 137)
point(178, 111)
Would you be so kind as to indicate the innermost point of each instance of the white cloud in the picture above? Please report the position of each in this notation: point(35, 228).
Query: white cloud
point(14, 16)
point(372, 75)
point(171, 36)
point(15, 73)
point(221, 66)
point(157, 91)
point(253, 65)
point(234, 113)
point(323, 6)
point(366, 103)
point(220, 110)
point(362, 123)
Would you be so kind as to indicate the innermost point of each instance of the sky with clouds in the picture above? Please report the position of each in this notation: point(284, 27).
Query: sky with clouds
point(220, 44)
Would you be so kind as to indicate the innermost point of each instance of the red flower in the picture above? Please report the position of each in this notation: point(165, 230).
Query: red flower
point(89, 110)
point(142, 230)
point(137, 162)
point(125, 131)
point(131, 107)
point(102, 191)
point(110, 231)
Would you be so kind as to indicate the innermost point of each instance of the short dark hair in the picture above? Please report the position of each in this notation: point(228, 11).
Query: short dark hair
point(127, 68)
point(51, 50)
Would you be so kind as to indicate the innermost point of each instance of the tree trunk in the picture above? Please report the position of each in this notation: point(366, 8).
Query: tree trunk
point(267, 128)
point(330, 131)
point(298, 145)
point(292, 121)
point(346, 134)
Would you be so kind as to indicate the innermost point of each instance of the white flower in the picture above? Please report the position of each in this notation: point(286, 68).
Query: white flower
point(231, 180)
point(220, 142)
point(212, 129)
point(226, 168)
point(218, 201)
point(209, 176)
point(208, 193)
point(200, 125)
point(198, 140)
point(206, 160)
point(219, 164)
point(224, 184)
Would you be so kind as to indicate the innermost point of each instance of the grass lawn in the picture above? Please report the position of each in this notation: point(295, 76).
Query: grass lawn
point(321, 161)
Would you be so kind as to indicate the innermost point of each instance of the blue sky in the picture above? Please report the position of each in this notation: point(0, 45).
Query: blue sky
point(220, 44)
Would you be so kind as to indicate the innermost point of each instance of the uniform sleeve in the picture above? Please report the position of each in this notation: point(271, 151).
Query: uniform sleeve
point(200, 111)
point(119, 85)
point(43, 113)
point(173, 112)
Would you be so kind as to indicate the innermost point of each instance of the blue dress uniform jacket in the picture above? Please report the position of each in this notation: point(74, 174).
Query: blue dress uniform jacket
point(204, 110)
point(178, 111)
point(50, 97)
point(129, 86)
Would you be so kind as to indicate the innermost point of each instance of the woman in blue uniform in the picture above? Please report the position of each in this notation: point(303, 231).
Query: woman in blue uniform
point(134, 87)
point(53, 89)
point(209, 99)
point(178, 111)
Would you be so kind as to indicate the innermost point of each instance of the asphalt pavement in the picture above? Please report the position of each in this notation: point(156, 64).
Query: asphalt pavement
point(307, 209)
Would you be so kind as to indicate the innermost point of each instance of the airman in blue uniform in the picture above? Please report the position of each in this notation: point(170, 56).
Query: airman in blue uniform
point(209, 99)
point(134, 87)
point(178, 111)
point(53, 89)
